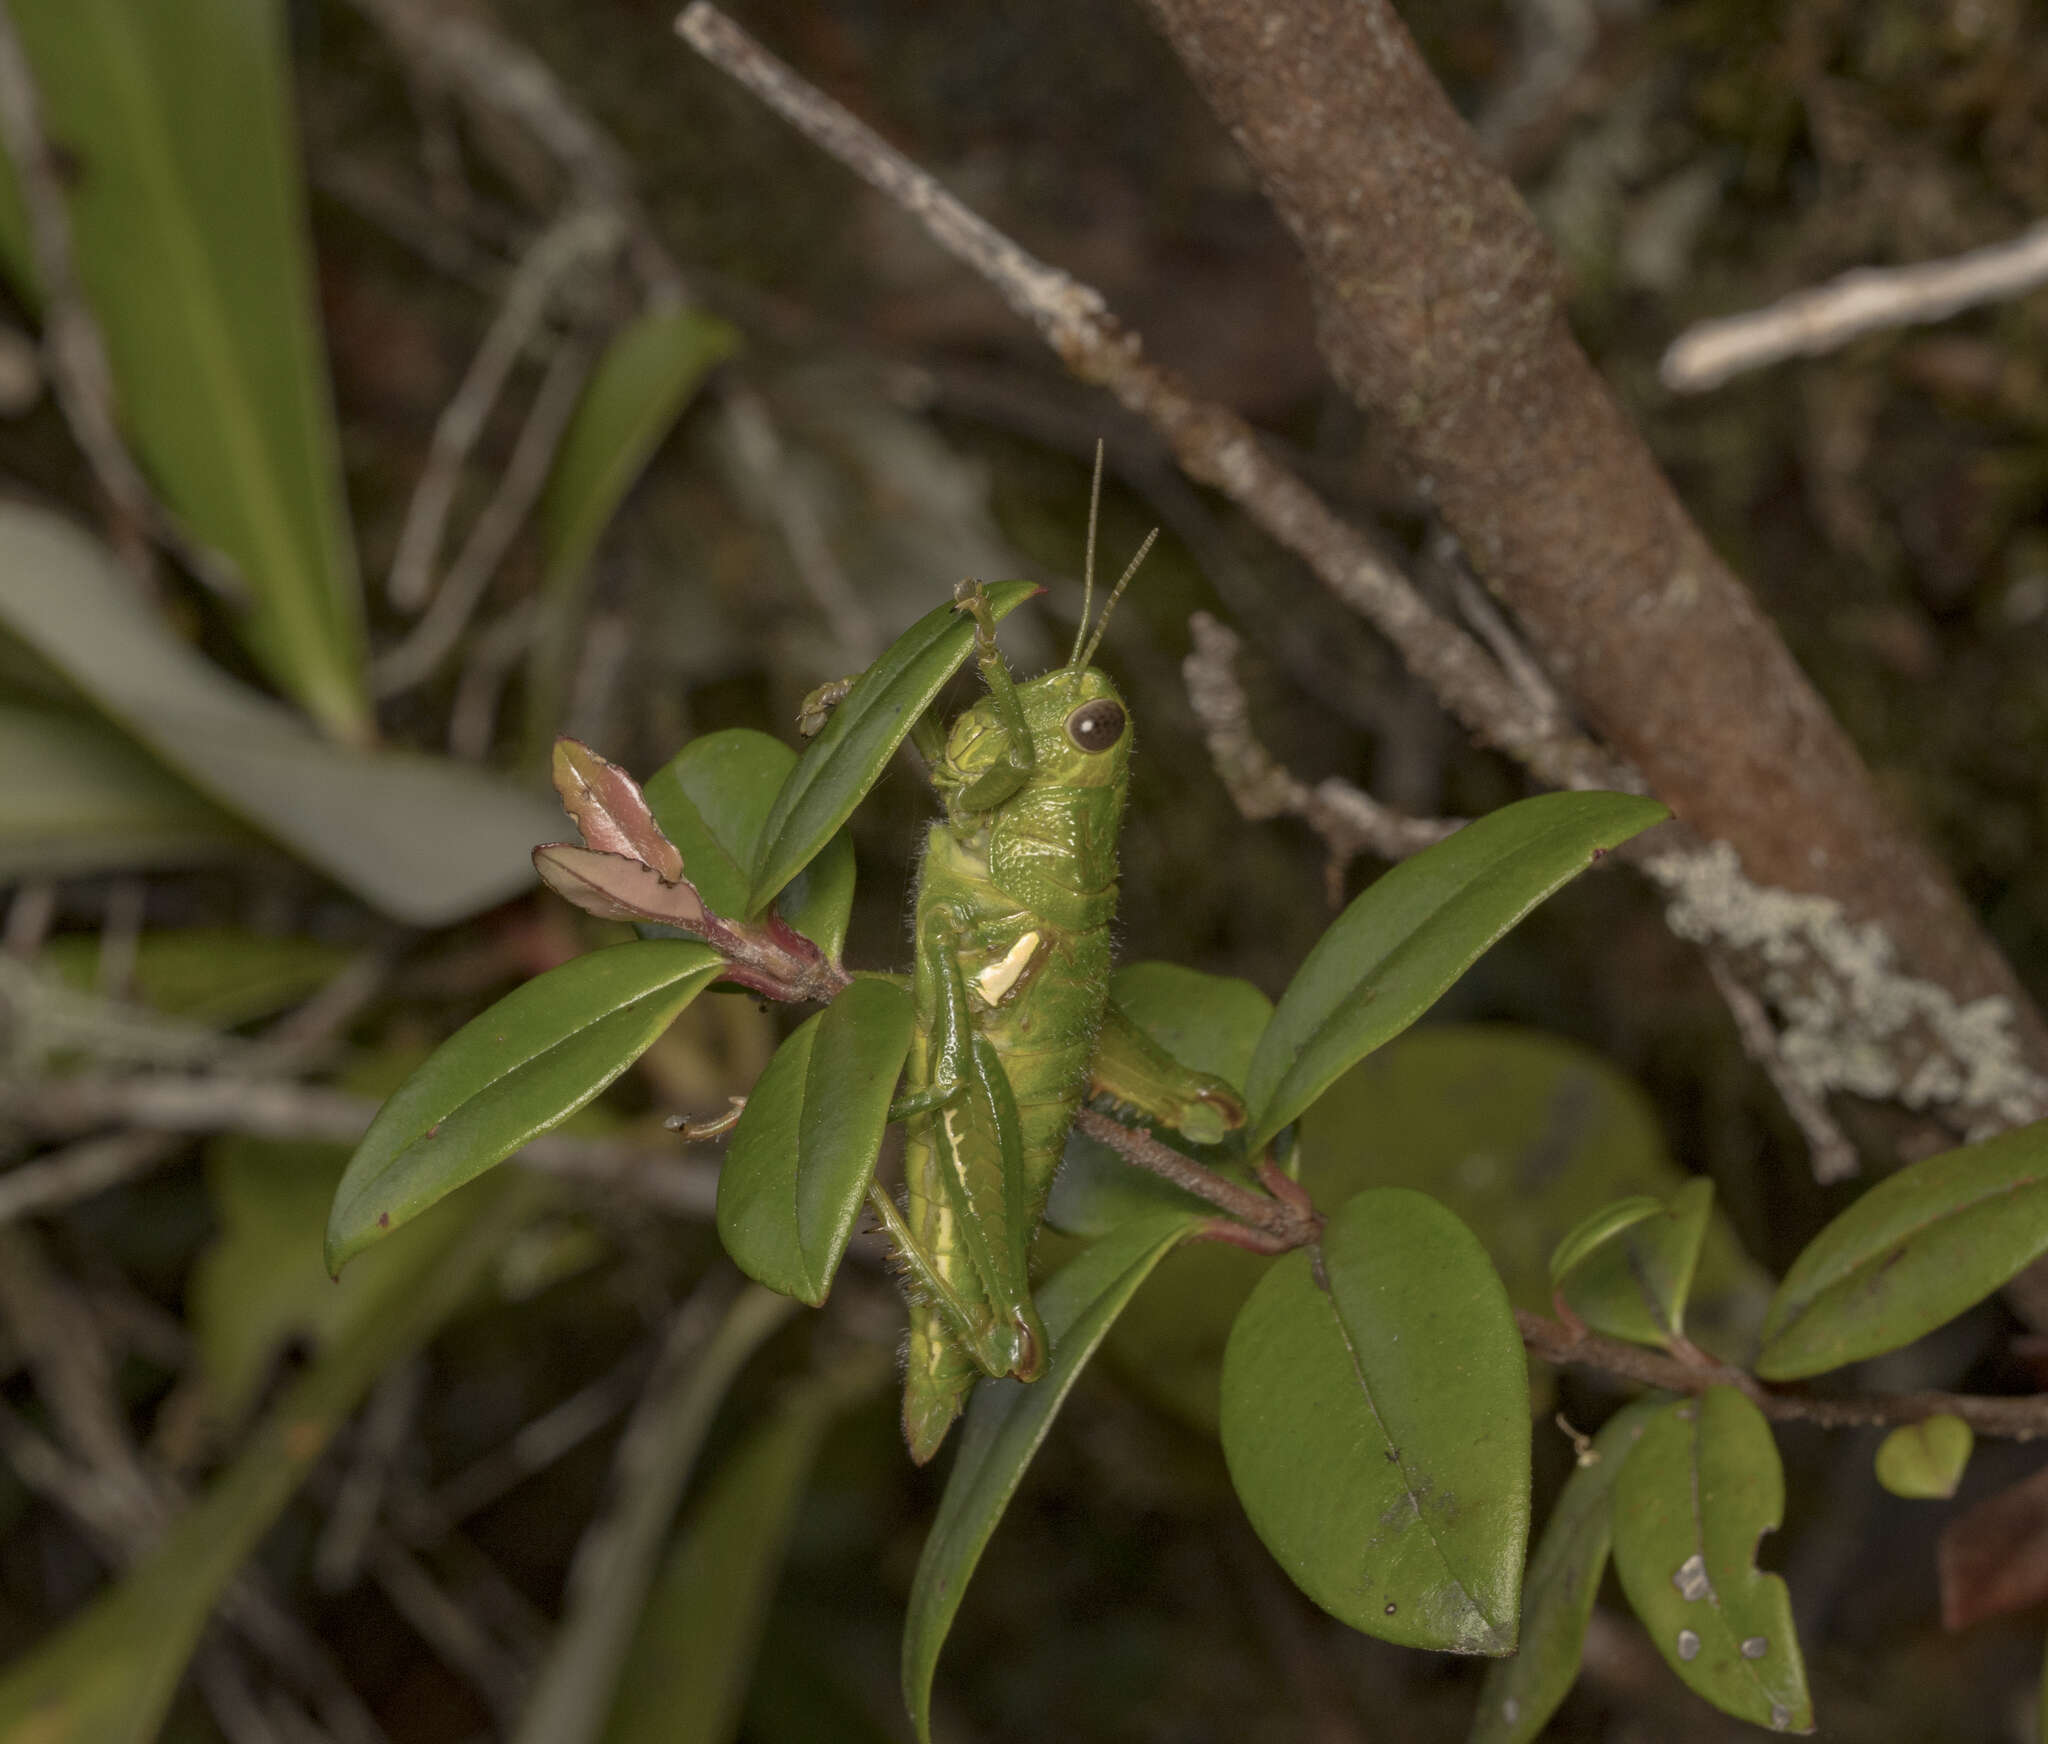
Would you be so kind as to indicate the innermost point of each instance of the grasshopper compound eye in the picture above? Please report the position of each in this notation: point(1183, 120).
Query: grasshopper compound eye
point(1097, 725)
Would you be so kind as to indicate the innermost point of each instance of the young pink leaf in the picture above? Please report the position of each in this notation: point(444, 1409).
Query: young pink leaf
point(609, 811)
point(615, 887)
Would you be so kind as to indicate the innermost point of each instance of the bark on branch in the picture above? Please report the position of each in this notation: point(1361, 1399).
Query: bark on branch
point(1440, 311)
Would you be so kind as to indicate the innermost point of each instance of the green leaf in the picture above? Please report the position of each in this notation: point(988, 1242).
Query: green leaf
point(1401, 943)
point(797, 1171)
point(218, 976)
point(1911, 1254)
point(712, 801)
point(1521, 1693)
point(424, 839)
point(188, 223)
point(1520, 1134)
point(1376, 1425)
point(848, 757)
point(1924, 1461)
point(1634, 1284)
point(80, 798)
point(649, 372)
point(1596, 1229)
point(108, 1675)
point(1006, 1422)
point(508, 1076)
point(578, 1681)
point(1701, 1488)
point(694, 1651)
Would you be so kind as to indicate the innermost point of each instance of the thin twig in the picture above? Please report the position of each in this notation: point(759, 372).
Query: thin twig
point(502, 76)
point(188, 1103)
point(1867, 300)
point(455, 601)
point(564, 248)
point(1213, 444)
point(2014, 1419)
point(1349, 820)
point(84, 1170)
point(380, 1436)
point(1284, 1221)
point(757, 449)
point(79, 366)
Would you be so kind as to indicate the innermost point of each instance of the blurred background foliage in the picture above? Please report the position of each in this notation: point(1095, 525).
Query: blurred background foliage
point(474, 410)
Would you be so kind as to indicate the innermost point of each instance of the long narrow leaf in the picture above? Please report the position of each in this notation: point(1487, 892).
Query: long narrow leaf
point(508, 1076)
point(1394, 952)
point(189, 226)
point(876, 716)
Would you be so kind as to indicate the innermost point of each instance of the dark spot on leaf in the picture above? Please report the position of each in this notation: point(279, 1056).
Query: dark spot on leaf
point(383, 1220)
point(1393, 1456)
point(434, 1131)
point(1390, 1608)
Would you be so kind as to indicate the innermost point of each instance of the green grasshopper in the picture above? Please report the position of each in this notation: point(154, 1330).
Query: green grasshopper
point(1014, 1021)
point(1011, 1017)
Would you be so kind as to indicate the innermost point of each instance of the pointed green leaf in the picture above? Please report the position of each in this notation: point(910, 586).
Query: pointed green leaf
point(425, 839)
point(712, 801)
point(1911, 1254)
point(82, 798)
point(635, 394)
point(1596, 1229)
point(1006, 1422)
point(647, 375)
point(508, 1076)
point(797, 1171)
point(108, 1675)
point(188, 224)
point(221, 976)
point(848, 757)
point(1521, 1693)
point(1376, 1425)
point(693, 1652)
point(1401, 943)
point(1701, 1488)
point(1924, 1461)
point(1634, 1285)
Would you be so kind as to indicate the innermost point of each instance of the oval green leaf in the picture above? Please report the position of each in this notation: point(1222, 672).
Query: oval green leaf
point(1402, 942)
point(1376, 1425)
point(190, 240)
point(797, 1171)
point(1702, 1486)
point(1924, 1461)
point(1634, 1284)
point(1521, 1693)
point(1910, 1255)
point(425, 839)
point(712, 800)
point(1006, 1422)
point(848, 757)
point(509, 1075)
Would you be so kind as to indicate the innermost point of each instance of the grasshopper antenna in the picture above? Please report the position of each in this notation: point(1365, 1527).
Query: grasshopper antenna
point(1116, 593)
point(1088, 561)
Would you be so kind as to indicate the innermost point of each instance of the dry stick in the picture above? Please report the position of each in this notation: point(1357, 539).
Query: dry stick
point(564, 248)
point(503, 76)
point(77, 350)
point(2015, 1419)
point(1867, 300)
point(1213, 445)
point(1349, 820)
point(262, 1108)
point(419, 656)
